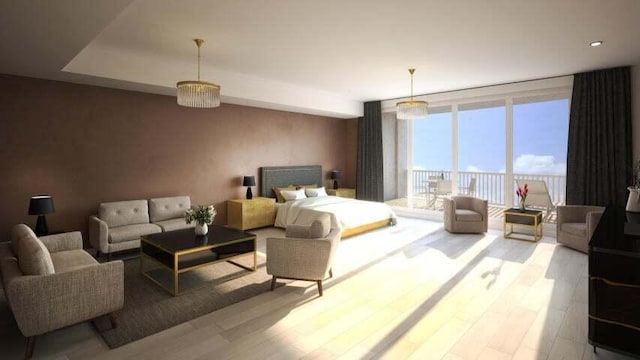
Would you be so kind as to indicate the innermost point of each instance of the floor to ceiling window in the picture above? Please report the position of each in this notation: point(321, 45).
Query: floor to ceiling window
point(484, 145)
point(432, 150)
point(540, 133)
point(481, 150)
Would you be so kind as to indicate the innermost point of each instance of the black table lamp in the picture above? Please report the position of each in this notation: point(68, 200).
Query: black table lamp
point(41, 205)
point(335, 175)
point(249, 181)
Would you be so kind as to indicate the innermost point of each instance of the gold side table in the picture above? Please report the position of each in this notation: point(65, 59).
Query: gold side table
point(527, 218)
point(244, 214)
point(342, 192)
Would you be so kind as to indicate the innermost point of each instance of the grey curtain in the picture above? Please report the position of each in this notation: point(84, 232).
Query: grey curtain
point(369, 174)
point(599, 156)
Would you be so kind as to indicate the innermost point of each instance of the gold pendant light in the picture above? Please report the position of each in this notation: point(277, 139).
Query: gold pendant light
point(412, 109)
point(196, 93)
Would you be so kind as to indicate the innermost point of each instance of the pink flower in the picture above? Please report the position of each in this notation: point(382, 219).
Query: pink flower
point(522, 193)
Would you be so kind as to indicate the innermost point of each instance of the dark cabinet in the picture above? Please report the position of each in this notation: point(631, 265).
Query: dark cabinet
point(614, 282)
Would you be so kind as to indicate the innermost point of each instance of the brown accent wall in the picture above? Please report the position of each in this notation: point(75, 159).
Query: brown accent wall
point(85, 145)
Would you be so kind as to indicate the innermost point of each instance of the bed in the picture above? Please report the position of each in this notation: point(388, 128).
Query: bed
point(350, 215)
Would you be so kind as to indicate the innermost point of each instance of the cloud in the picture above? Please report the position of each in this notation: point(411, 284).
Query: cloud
point(473, 168)
point(538, 164)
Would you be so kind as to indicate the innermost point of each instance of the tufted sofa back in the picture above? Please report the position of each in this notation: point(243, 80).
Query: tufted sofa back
point(120, 213)
point(168, 208)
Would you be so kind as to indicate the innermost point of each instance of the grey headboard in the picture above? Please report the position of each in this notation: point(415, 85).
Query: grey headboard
point(281, 176)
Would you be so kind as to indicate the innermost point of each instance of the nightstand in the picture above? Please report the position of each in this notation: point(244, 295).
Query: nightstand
point(243, 214)
point(342, 192)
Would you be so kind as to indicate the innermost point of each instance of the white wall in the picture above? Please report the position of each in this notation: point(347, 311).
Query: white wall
point(635, 110)
point(389, 155)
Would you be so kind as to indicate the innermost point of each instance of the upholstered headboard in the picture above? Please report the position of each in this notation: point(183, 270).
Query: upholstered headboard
point(282, 176)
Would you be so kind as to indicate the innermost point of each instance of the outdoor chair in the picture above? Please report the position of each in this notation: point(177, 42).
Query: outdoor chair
point(538, 195)
point(443, 188)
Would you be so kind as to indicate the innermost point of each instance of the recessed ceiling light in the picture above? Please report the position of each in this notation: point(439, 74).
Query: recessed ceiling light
point(596, 43)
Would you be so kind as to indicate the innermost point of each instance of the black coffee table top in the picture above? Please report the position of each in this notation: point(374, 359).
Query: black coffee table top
point(186, 239)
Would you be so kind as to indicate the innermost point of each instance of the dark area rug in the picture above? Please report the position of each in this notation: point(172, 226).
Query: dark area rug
point(148, 309)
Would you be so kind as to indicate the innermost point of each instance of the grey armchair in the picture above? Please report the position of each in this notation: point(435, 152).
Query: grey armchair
point(50, 282)
point(466, 214)
point(576, 224)
point(305, 253)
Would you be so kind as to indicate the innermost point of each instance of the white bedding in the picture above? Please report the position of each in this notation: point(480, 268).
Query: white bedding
point(345, 213)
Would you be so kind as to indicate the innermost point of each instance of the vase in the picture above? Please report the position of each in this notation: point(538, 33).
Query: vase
point(521, 205)
point(633, 202)
point(202, 229)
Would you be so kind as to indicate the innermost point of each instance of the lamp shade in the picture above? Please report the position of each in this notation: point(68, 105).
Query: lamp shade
point(335, 174)
point(40, 205)
point(249, 181)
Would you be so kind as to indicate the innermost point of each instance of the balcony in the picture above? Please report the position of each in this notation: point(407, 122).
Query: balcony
point(489, 185)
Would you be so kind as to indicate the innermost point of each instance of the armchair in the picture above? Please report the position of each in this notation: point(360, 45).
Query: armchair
point(576, 224)
point(305, 253)
point(50, 282)
point(466, 214)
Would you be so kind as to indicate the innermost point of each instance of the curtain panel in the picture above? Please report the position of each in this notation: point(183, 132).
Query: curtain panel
point(369, 170)
point(599, 154)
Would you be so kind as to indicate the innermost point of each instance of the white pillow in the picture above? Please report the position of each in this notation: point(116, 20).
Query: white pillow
point(289, 195)
point(318, 192)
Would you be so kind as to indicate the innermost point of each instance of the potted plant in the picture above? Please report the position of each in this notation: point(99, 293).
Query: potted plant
point(202, 215)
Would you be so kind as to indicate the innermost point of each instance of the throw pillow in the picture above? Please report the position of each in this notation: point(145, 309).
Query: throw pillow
point(278, 192)
point(33, 256)
point(318, 192)
point(320, 227)
point(309, 186)
point(289, 195)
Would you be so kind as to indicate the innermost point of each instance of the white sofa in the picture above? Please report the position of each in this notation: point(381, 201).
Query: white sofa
point(119, 225)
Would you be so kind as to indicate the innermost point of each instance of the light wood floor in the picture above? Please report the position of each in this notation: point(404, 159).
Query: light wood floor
point(410, 291)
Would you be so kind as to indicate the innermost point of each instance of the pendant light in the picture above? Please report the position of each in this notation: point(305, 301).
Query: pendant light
point(197, 93)
point(412, 109)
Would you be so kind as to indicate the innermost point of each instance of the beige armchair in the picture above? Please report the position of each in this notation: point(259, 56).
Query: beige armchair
point(50, 282)
point(465, 214)
point(305, 253)
point(576, 224)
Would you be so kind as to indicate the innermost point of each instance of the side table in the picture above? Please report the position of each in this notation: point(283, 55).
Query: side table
point(342, 192)
point(244, 214)
point(528, 218)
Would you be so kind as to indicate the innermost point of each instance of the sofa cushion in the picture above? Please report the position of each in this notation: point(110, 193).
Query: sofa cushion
point(69, 260)
point(33, 256)
point(120, 213)
point(168, 208)
point(174, 224)
point(577, 229)
point(131, 232)
point(467, 215)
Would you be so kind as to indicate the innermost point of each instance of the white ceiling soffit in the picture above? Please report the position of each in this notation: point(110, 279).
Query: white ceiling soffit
point(319, 57)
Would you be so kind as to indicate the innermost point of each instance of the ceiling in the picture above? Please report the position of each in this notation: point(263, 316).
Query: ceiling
point(318, 57)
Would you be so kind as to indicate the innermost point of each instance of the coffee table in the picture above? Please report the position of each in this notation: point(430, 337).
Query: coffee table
point(529, 218)
point(180, 251)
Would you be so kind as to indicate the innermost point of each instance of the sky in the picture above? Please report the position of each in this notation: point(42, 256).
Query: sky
point(540, 133)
